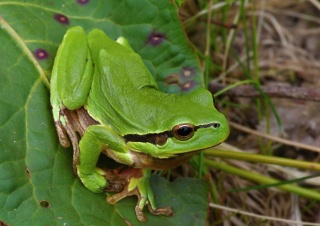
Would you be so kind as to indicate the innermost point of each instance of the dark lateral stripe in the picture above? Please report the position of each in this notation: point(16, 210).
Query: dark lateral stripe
point(149, 138)
point(154, 137)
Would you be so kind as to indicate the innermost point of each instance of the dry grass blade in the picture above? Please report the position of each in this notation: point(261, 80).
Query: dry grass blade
point(286, 57)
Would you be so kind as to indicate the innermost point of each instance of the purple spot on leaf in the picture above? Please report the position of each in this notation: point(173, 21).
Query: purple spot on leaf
point(187, 73)
point(156, 38)
point(61, 18)
point(188, 85)
point(41, 54)
point(83, 2)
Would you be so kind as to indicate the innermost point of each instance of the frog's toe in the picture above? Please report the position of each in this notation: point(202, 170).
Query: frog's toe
point(140, 215)
point(94, 182)
point(167, 211)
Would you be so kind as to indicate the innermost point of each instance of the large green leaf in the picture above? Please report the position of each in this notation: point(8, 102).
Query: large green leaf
point(152, 28)
point(185, 196)
point(37, 184)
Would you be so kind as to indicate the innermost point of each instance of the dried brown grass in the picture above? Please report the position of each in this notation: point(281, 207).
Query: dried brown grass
point(288, 54)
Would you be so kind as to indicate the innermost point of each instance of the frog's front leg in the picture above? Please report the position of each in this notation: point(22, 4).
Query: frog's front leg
point(96, 139)
point(139, 185)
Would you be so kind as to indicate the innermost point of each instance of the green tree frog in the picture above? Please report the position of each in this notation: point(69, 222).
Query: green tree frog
point(105, 100)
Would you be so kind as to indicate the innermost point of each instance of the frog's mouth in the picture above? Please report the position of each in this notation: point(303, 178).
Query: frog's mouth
point(142, 160)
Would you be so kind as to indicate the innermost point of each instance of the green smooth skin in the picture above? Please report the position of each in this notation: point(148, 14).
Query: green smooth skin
point(120, 93)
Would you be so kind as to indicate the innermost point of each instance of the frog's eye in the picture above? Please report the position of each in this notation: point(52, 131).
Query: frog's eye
point(183, 131)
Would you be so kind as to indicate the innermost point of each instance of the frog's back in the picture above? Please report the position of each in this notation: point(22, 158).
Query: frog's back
point(119, 78)
point(124, 94)
point(118, 62)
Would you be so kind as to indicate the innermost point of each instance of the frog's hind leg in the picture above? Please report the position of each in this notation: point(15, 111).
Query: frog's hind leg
point(72, 72)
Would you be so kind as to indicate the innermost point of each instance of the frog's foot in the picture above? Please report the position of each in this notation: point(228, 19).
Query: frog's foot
point(95, 182)
point(138, 184)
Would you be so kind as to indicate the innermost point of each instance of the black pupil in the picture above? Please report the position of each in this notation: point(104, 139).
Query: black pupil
point(184, 131)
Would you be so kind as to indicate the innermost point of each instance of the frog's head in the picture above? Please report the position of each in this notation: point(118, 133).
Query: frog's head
point(191, 124)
